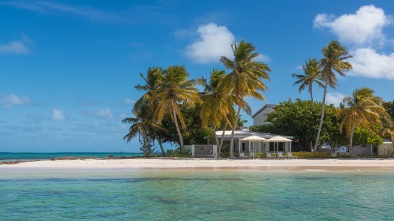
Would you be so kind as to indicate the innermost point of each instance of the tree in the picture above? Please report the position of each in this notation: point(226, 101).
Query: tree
point(363, 110)
point(388, 129)
point(142, 123)
point(300, 119)
point(217, 106)
point(334, 60)
point(312, 74)
point(244, 80)
point(172, 90)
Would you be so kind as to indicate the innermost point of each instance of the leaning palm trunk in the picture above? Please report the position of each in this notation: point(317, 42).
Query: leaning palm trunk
point(222, 139)
point(232, 132)
point(351, 141)
point(178, 130)
point(310, 88)
point(321, 119)
point(161, 146)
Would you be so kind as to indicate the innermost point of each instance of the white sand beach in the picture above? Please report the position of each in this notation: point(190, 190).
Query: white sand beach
point(176, 163)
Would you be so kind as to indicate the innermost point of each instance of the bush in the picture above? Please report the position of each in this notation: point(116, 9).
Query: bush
point(178, 153)
point(311, 155)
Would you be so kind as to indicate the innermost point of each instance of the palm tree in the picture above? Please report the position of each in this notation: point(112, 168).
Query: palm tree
point(244, 80)
point(312, 74)
point(172, 90)
point(216, 107)
point(334, 60)
point(363, 110)
point(142, 123)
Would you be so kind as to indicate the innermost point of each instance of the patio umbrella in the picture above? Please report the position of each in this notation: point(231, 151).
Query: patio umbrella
point(253, 138)
point(277, 139)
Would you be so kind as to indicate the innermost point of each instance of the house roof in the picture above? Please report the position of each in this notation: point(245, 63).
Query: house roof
point(239, 134)
point(261, 109)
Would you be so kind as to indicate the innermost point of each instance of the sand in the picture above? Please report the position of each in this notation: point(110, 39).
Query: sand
point(176, 163)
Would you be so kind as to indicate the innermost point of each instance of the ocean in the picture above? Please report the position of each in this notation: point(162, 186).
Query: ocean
point(6, 156)
point(195, 194)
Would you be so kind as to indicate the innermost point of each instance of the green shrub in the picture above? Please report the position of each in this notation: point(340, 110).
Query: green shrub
point(177, 153)
point(311, 155)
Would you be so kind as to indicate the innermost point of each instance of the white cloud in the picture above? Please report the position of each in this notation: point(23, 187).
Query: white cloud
point(105, 114)
point(56, 8)
point(58, 114)
point(129, 101)
point(9, 100)
point(263, 58)
point(14, 47)
point(367, 62)
point(365, 26)
point(335, 98)
point(215, 41)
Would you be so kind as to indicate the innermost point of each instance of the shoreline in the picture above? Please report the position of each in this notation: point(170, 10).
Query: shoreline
point(193, 163)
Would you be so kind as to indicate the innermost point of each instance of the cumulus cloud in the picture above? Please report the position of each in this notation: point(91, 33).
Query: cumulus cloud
point(362, 27)
point(14, 47)
point(9, 100)
point(58, 115)
point(367, 62)
point(335, 98)
point(105, 114)
point(214, 41)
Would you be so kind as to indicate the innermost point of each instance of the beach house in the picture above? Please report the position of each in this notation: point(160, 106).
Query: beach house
point(262, 142)
point(260, 117)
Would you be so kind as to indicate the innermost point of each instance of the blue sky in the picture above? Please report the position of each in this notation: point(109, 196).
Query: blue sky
point(67, 68)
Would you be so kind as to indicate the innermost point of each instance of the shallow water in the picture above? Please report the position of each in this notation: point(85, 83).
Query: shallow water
point(6, 156)
point(165, 194)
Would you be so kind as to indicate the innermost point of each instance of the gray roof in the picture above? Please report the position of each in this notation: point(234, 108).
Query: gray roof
point(261, 109)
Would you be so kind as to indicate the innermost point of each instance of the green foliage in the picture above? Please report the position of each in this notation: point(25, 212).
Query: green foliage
point(179, 153)
point(147, 149)
point(389, 106)
point(364, 136)
point(300, 119)
point(311, 155)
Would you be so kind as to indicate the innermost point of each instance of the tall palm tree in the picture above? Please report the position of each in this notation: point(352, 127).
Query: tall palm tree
point(142, 123)
point(172, 90)
point(244, 80)
point(216, 107)
point(363, 110)
point(333, 62)
point(312, 74)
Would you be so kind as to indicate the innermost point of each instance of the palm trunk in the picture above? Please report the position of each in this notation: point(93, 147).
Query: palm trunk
point(160, 145)
point(351, 141)
point(313, 105)
point(222, 138)
point(321, 119)
point(177, 128)
point(217, 140)
point(232, 132)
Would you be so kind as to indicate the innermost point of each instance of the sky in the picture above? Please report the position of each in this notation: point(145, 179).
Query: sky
point(68, 68)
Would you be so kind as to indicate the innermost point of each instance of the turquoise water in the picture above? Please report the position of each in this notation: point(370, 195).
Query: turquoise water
point(6, 156)
point(126, 194)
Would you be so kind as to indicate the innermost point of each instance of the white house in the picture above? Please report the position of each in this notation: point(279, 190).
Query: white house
point(260, 117)
point(241, 146)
